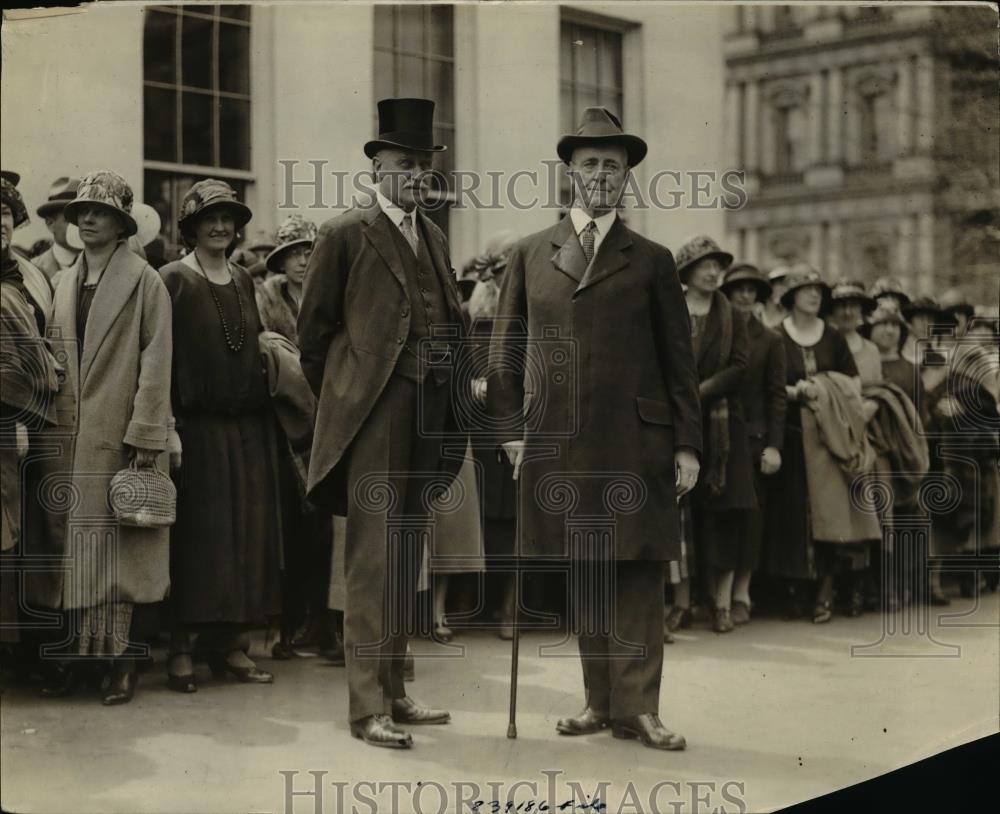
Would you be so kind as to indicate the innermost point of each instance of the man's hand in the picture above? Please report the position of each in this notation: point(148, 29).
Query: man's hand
point(770, 461)
point(687, 467)
point(145, 458)
point(175, 449)
point(515, 454)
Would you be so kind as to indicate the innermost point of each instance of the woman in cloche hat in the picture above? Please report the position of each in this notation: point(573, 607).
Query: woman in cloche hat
point(225, 545)
point(849, 304)
point(112, 329)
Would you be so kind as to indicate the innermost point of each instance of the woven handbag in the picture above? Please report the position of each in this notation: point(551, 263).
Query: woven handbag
point(143, 497)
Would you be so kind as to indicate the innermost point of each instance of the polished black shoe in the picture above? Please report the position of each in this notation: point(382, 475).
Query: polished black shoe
point(121, 689)
point(379, 730)
point(63, 682)
point(650, 730)
point(247, 675)
point(180, 682)
point(586, 723)
point(407, 711)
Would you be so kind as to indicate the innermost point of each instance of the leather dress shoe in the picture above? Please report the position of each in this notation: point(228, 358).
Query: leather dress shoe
point(586, 723)
point(407, 711)
point(650, 730)
point(247, 675)
point(121, 689)
point(63, 682)
point(379, 730)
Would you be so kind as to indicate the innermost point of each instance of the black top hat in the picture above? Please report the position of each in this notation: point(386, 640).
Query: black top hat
point(745, 272)
point(600, 126)
point(406, 124)
point(62, 191)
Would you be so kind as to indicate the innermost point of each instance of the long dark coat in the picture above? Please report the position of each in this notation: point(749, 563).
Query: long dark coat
point(763, 393)
point(116, 395)
point(606, 384)
point(352, 323)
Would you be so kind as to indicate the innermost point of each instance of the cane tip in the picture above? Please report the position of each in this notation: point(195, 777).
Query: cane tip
point(512, 731)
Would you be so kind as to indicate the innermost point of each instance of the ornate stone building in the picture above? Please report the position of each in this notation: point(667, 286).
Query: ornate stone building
point(869, 136)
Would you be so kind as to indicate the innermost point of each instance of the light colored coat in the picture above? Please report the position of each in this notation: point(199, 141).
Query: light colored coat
point(116, 395)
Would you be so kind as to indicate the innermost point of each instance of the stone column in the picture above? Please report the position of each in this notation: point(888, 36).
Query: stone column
point(925, 252)
point(751, 127)
point(834, 236)
point(835, 117)
point(817, 118)
point(734, 146)
point(904, 106)
point(924, 113)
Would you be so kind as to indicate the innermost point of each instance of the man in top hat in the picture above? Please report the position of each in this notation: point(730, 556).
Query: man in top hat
point(612, 433)
point(60, 254)
point(379, 326)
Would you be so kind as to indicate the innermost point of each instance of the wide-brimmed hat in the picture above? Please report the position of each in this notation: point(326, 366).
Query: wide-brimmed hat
point(600, 126)
point(406, 124)
point(954, 302)
point(208, 194)
point(889, 287)
point(778, 273)
point(930, 307)
point(746, 273)
point(881, 315)
point(62, 191)
point(13, 199)
point(801, 276)
point(262, 245)
point(13, 178)
point(105, 188)
point(295, 231)
point(698, 248)
point(852, 291)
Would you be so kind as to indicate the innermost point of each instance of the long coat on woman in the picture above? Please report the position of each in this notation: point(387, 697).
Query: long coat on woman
point(115, 396)
point(591, 365)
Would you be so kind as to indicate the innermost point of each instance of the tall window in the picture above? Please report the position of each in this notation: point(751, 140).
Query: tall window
point(590, 73)
point(415, 56)
point(789, 138)
point(875, 120)
point(196, 102)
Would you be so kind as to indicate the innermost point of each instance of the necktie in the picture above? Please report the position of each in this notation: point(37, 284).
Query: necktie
point(587, 240)
point(408, 232)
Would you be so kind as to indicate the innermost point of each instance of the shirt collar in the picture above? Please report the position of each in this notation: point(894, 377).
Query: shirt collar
point(393, 212)
point(581, 219)
point(64, 257)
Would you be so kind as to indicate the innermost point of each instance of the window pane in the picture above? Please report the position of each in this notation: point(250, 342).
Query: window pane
point(411, 76)
point(566, 52)
point(384, 80)
point(234, 58)
point(585, 97)
point(411, 28)
point(234, 133)
point(585, 48)
point(383, 26)
point(443, 162)
point(196, 44)
point(442, 38)
point(159, 124)
point(442, 90)
point(197, 128)
point(235, 12)
point(158, 47)
point(611, 60)
point(567, 115)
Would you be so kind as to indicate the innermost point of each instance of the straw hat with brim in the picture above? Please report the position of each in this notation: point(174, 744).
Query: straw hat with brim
point(882, 315)
point(889, 287)
point(802, 278)
point(295, 231)
point(746, 273)
point(405, 124)
point(852, 292)
point(62, 191)
point(13, 199)
point(209, 194)
point(928, 307)
point(696, 249)
point(108, 189)
point(600, 126)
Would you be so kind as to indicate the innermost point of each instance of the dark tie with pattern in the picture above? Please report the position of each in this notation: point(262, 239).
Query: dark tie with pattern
point(587, 240)
point(411, 236)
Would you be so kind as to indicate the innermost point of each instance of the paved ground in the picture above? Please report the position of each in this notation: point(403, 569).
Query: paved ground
point(779, 711)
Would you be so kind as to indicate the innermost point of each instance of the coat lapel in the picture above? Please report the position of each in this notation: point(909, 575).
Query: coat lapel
point(376, 229)
point(119, 281)
point(440, 260)
point(64, 317)
point(610, 256)
point(569, 257)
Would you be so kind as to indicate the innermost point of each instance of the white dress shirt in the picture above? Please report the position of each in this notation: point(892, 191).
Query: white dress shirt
point(64, 257)
point(604, 223)
point(396, 214)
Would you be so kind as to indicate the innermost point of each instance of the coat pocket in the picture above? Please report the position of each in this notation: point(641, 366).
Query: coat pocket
point(654, 412)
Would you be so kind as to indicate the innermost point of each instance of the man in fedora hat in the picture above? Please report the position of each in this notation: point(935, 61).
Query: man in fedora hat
point(60, 255)
point(619, 443)
point(379, 325)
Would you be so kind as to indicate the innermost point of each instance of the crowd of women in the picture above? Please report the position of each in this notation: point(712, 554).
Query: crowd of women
point(826, 414)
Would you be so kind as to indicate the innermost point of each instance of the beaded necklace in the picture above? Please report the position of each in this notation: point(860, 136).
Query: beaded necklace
point(234, 347)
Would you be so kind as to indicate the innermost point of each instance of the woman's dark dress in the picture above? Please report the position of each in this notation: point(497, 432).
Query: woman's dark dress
point(225, 562)
point(791, 551)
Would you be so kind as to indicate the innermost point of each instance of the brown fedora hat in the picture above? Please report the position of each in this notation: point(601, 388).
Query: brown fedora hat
point(600, 126)
point(406, 124)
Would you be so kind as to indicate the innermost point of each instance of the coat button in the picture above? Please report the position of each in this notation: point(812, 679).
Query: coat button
point(404, 312)
point(399, 341)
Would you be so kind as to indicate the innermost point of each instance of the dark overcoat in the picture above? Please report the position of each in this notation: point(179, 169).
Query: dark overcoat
point(764, 398)
point(352, 323)
point(592, 365)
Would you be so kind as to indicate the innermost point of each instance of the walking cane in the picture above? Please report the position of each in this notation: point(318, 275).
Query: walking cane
point(515, 639)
